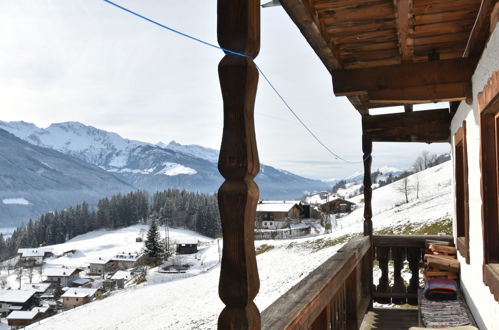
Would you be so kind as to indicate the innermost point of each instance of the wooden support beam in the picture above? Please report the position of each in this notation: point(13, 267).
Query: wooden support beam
point(443, 80)
point(238, 30)
point(367, 149)
point(403, 11)
point(306, 19)
point(480, 33)
point(420, 126)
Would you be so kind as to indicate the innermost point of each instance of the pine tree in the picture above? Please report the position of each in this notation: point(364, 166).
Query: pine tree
point(153, 247)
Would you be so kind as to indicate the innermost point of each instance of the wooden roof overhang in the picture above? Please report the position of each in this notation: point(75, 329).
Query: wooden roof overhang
point(396, 52)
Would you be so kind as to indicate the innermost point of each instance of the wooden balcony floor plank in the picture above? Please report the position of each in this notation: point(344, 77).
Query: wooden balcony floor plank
point(390, 319)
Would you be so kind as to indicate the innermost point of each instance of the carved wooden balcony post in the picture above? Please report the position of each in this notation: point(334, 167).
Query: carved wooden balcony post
point(238, 31)
point(367, 148)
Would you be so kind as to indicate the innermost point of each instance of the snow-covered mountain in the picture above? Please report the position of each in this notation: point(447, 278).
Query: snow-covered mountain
point(192, 150)
point(154, 167)
point(35, 180)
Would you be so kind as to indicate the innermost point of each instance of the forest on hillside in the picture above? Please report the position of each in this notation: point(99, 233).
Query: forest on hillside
point(177, 208)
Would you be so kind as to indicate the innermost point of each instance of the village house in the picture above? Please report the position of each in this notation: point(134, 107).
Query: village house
point(126, 260)
point(121, 277)
point(39, 288)
point(21, 319)
point(62, 276)
point(186, 245)
point(82, 282)
point(11, 300)
point(338, 205)
point(99, 266)
point(34, 256)
point(74, 297)
point(277, 214)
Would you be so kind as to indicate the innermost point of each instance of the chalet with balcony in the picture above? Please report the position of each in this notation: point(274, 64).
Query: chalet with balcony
point(380, 54)
point(61, 275)
point(277, 214)
point(34, 256)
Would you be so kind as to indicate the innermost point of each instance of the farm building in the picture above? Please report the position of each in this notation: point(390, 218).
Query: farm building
point(277, 214)
point(338, 205)
point(186, 246)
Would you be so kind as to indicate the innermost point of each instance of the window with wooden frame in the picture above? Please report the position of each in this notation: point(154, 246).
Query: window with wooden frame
point(488, 105)
point(462, 204)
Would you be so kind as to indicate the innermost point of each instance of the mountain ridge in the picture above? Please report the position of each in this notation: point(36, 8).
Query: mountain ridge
point(154, 166)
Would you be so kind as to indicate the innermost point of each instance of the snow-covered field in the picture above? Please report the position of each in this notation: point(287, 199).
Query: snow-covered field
point(193, 303)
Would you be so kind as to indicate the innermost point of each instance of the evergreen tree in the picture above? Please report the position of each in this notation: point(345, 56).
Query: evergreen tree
point(153, 247)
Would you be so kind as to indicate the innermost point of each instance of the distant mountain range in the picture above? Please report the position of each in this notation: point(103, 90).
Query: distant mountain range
point(122, 164)
point(34, 180)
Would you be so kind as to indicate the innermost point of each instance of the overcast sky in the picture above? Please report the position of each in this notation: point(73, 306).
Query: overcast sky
point(84, 60)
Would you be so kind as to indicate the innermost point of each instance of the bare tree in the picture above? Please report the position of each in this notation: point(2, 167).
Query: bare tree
point(424, 161)
point(19, 274)
point(31, 271)
point(3, 281)
point(417, 184)
point(404, 188)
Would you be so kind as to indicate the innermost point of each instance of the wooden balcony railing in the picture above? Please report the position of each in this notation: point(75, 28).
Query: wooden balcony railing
point(393, 251)
point(333, 296)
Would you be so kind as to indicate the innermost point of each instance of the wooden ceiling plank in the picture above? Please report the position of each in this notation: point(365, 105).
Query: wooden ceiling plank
point(344, 4)
point(444, 17)
point(359, 14)
point(403, 11)
point(301, 14)
point(420, 126)
point(442, 80)
point(443, 6)
point(480, 33)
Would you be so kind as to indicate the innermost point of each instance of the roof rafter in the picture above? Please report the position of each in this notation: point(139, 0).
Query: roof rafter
point(306, 19)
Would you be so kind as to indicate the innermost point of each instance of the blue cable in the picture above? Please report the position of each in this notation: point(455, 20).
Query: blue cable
point(238, 54)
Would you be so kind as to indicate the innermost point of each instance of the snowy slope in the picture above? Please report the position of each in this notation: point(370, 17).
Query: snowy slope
point(193, 303)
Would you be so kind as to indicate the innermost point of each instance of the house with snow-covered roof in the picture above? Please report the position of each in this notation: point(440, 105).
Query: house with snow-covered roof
point(126, 260)
point(99, 266)
point(277, 214)
point(61, 275)
point(74, 297)
point(39, 288)
point(186, 245)
point(16, 300)
point(34, 256)
point(20, 319)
